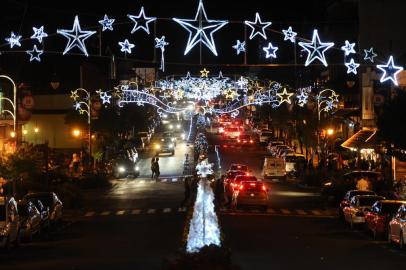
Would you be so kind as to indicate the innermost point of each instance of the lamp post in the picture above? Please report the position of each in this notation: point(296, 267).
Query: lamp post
point(13, 105)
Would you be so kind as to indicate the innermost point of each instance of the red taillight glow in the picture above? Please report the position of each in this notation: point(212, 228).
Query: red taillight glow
point(252, 184)
point(247, 174)
point(238, 133)
point(263, 187)
point(241, 187)
point(238, 141)
point(251, 141)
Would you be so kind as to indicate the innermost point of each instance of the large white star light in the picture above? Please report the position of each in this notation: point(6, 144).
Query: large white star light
point(348, 48)
point(369, 54)
point(352, 66)
point(126, 46)
point(316, 49)
point(239, 47)
point(141, 18)
point(105, 97)
point(76, 37)
point(199, 33)
point(107, 23)
point(35, 54)
point(270, 50)
point(258, 24)
point(289, 34)
point(14, 40)
point(390, 71)
point(203, 169)
point(39, 34)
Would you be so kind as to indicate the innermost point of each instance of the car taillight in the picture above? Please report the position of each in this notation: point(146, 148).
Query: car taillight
point(238, 141)
point(238, 133)
point(247, 174)
point(241, 187)
point(252, 184)
point(251, 141)
point(263, 187)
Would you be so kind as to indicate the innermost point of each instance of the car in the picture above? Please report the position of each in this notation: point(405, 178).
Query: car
point(51, 201)
point(264, 136)
point(294, 161)
point(250, 193)
point(377, 220)
point(165, 145)
point(271, 145)
point(274, 168)
point(145, 136)
point(397, 228)
point(245, 139)
point(124, 166)
point(229, 182)
point(348, 196)
point(30, 220)
point(231, 133)
point(44, 212)
point(168, 135)
point(9, 222)
point(354, 214)
point(238, 167)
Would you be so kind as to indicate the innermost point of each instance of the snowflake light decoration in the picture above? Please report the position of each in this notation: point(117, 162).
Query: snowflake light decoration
point(203, 169)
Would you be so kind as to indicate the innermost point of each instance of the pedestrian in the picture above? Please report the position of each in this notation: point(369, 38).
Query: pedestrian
point(187, 186)
point(156, 167)
point(153, 167)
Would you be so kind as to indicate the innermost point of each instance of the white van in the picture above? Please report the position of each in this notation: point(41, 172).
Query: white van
point(9, 222)
point(274, 168)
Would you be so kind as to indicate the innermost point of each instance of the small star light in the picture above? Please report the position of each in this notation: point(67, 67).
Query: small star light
point(258, 24)
point(35, 54)
point(201, 29)
point(390, 71)
point(352, 66)
point(348, 48)
point(289, 34)
point(77, 106)
point(204, 168)
point(284, 96)
point(39, 34)
point(204, 73)
point(270, 50)
point(160, 43)
point(302, 98)
point(369, 54)
point(334, 97)
point(105, 97)
point(239, 47)
point(230, 94)
point(316, 49)
point(141, 18)
point(14, 40)
point(107, 23)
point(74, 95)
point(76, 37)
point(126, 46)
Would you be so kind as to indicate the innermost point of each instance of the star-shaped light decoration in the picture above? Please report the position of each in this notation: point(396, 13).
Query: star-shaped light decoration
point(258, 24)
point(369, 54)
point(348, 48)
point(160, 43)
point(289, 34)
point(74, 95)
point(141, 18)
point(270, 50)
point(284, 96)
point(13, 40)
point(76, 37)
point(204, 73)
point(329, 106)
point(242, 83)
point(107, 23)
point(230, 94)
point(199, 33)
point(316, 49)
point(239, 47)
point(35, 54)
point(105, 97)
point(77, 106)
point(390, 71)
point(302, 98)
point(203, 169)
point(234, 114)
point(126, 46)
point(352, 66)
point(39, 34)
point(334, 97)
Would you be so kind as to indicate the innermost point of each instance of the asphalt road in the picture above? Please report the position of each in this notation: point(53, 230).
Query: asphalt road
point(138, 223)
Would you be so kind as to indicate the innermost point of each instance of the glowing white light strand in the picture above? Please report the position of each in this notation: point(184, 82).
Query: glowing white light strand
point(348, 48)
point(39, 34)
point(257, 24)
point(352, 66)
point(126, 46)
point(35, 54)
point(199, 33)
point(13, 40)
point(107, 23)
point(141, 18)
point(270, 50)
point(239, 47)
point(316, 49)
point(369, 54)
point(289, 35)
point(390, 71)
point(76, 37)
point(160, 43)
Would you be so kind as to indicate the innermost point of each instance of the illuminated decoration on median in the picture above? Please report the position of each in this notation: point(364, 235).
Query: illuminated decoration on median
point(369, 54)
point(270, 50)
point(199, 33)
point(160, 43)
point(39, 34)
point(284, 97)
point(76, 37)
point(352, 66)
point(348, 48)
point(258, 24)
point(35, 54)
point(107, 23)
point(327, 100)
point(204, 169)
point(239, 47)
point(316, 49)
point(126, 46)
point(13, 40)
point(390, 71)
point(289, 34)
point(138, 20)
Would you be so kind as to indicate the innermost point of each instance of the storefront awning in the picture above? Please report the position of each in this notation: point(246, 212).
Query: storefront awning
point(363, 139)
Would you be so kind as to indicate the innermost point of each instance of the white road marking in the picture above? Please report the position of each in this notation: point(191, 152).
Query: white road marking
point(135, 212)
point(316, 212)
point(151, 211)
point(120, 213)
point(142, 181)
point(174, 179)
point(285, 211)
point(164, 180)
point(182, 209)
point(270, 210)
point(105, 213)
point(90, 214)
point(167, 210)
point(301, 212)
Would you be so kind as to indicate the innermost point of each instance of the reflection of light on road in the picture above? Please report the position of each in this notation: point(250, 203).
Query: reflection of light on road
point(190, 128)
point(218, 155)
point(295, 194)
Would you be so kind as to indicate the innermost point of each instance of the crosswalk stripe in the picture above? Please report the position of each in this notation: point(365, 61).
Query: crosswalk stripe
point(120, 213)
point(174, 179)
point(167, 210)
point(301, 212)
point(135, 212)
point(316, 212)
point(286, 211)
point(270, 210)
point(164, 180)
point(105, 213)
point(90, 214)
point(151, 211)
point(182, 209)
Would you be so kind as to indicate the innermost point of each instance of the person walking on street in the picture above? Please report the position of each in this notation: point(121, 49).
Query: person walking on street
point(156, 167)
point(187, 185)
point(153, 167)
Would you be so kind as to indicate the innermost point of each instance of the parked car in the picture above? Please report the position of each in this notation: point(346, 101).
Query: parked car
point(44, 212)
point(397, 227)
point(238, 167)
point(355, 213)
point(250, 193)
point(377, 220)
point(51, 201)
point(348, 196)
point(30, 220)
point(9, 223)
point(274, 168)
point(245, 140)
point(264, 136)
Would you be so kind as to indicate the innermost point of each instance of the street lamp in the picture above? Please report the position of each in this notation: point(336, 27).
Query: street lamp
point(13, 105)
point(76, 133)
point(330, 131)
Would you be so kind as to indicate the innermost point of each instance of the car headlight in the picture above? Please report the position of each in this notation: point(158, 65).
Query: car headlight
point(170, 126)
point(178, 126)
point(170, 145)
point(157, 146)
point(173, 139)
point(137, 168)
point(121, 169)
point(183, 136)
